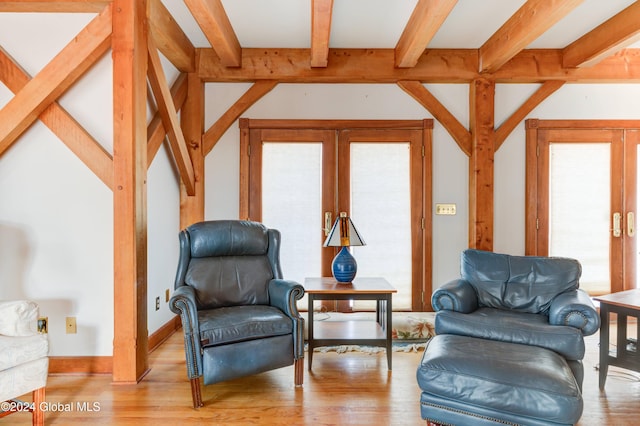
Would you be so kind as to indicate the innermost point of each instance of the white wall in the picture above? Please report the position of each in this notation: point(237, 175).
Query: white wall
point(56, 218)
point(55, 214)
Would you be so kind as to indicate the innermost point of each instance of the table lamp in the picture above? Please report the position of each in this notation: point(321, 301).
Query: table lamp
point(344, 234)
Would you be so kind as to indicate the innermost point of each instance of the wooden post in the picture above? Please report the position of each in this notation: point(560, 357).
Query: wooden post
point(531, 198)
point(482, 98)
point(129, 50)
point(192, 123)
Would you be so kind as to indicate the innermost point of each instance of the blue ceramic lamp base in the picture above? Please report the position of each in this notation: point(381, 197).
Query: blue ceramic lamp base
point(344, 266)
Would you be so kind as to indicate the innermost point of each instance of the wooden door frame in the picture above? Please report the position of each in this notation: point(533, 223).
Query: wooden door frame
point(249, 129)
point(536, 230)
point(631, 142)
point(414, 137)
point(251, 177)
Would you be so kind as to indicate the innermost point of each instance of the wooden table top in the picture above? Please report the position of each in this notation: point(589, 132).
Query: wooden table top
point(329, 285)
point(628, 299)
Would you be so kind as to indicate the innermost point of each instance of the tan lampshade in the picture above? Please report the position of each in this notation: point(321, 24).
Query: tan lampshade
point(343, 233)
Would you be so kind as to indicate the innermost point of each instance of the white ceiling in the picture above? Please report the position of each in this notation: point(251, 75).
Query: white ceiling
point(379, 23)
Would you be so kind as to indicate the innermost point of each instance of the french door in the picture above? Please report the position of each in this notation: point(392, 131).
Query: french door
point(582, 194)
point(297, 176)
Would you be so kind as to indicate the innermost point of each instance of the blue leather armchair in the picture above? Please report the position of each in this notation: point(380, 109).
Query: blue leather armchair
point(530, 300)
point(239, 317)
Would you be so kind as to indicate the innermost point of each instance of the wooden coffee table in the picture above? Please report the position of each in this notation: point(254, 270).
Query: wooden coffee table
point(369, 333)
point(624, 304)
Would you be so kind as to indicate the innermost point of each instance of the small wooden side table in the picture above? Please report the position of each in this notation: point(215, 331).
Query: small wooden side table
point(370, 333)
point(624, 304)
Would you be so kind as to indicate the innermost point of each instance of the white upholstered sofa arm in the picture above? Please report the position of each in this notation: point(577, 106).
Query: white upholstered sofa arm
point(18, 318)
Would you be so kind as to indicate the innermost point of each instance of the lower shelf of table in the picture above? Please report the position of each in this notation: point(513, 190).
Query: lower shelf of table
point(334, 333)
point(625, 359)
point(348, 332)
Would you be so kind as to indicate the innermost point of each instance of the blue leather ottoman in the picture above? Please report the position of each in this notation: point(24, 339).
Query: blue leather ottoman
point(472, 381)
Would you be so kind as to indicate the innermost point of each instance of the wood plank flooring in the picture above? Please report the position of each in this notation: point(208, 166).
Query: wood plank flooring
point(343, 389)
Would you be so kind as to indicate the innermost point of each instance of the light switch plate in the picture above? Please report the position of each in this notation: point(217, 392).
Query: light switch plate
point(446, 209)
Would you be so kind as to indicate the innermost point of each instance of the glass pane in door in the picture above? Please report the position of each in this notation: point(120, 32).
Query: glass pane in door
point(291, 203)
point(579, 209)
point(381, 211)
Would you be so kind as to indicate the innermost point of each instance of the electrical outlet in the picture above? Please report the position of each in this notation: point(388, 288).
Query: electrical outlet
point(446, 209)
point(167, 295)
point(158, 303)
point(71, 325)
point(43, 325)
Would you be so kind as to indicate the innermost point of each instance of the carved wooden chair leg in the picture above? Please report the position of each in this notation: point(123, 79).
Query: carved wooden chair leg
point(298, 366)
point(38, 414)
point(195, 393)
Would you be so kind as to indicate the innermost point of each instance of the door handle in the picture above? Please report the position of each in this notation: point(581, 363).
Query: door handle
point(617, 227)
point(327, 223)
point(631, 224)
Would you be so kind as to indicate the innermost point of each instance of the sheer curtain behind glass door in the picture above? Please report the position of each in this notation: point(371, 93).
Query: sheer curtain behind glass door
point(579, 209)
point(381, 211)
point(291, 203)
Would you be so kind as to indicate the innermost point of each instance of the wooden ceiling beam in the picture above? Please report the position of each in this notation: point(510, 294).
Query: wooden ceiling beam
point(345, 66)
point(538, 65)
point(608, 38)
point(425, 21)
point(62, 124)
point(527, 24)
point(70, 6)
point(215, 25)
point(169, 37)
point(434, 66)
point(169, 115)
point(321, 11)
point(55, 78)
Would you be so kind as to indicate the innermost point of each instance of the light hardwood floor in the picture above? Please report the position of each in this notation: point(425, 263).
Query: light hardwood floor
point(343, 389)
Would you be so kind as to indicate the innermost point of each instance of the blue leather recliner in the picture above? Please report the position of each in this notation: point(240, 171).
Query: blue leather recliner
point(239, 317)
point(532, 300)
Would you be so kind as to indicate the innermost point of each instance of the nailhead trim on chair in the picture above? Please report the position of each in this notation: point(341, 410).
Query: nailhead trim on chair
point(466, 413)
point(585, 320)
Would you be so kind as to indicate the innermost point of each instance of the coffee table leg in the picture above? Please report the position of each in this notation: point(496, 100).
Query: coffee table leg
point(621, 336)
point(604, 344)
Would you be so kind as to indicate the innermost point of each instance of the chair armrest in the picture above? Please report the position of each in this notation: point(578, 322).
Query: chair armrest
point(575, 309)
point(457, 295)
point(18, 318)
point(283, 295)
point(183, 303)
